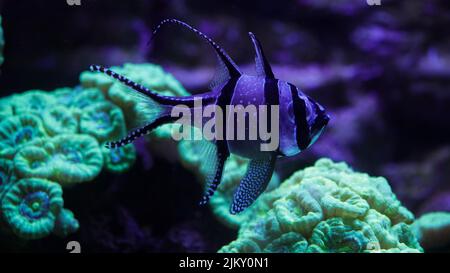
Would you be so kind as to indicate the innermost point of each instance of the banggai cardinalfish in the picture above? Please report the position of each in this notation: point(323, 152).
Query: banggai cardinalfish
point(301, 120)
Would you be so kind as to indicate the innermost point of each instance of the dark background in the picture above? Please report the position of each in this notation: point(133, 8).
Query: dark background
point(383, 73)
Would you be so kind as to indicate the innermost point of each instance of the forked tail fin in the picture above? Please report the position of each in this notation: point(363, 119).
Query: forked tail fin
point(153, 109)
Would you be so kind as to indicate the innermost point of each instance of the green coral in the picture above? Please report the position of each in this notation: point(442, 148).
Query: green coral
point(433, 229)
point(81, 99)
point(31, 206)
point(32, 102)
point(327, 208)
point(66, 159)
point(120, 159)
point(65, 96)
point(78, 99)
point(59, 120)
point(190, 152)
point(333, 235)
point(98, 81)
point(6, 151)
point(85, 97)
point(104, 121)
point(17, 131)
point(65, 223)
point(55, 138)
point(6, 108)
point(7, 176)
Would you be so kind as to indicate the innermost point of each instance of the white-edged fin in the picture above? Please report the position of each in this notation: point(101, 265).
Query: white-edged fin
point(255, 181)
point(149, 113)
point(214, 155)
point(164, 100)
point(263, 68)
point(226, 68)
point(221, 75)
point(138, 132)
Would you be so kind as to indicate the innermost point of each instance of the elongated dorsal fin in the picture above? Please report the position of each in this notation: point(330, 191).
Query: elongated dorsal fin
point(226, 69)
point(263, 68)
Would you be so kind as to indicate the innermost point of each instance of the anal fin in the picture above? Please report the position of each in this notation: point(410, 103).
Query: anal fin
point(255, 181)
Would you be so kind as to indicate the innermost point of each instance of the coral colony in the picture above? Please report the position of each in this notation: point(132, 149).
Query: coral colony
point(53, 140)
point(327, 208)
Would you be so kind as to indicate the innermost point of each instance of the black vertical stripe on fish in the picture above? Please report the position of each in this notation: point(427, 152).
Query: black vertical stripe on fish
point(225, 97)
point(271, 97)
point(223, 153)
point(213, 180)
point(226, 94)
point(301, 119)
point(224, 100)
point(135, 134)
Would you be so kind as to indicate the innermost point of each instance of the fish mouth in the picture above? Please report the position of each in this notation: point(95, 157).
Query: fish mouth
point(326, 119)
point(320, 123)
point(322, 120)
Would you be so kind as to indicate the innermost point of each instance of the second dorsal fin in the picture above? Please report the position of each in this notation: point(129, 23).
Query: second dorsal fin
point(263, 68)
point(226, 69)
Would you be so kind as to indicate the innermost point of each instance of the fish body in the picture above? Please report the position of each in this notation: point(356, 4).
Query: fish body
point(295, 124)
point(248, 91)
point(299, 119)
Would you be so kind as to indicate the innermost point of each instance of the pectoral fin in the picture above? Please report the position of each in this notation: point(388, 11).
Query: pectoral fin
point(253, 184)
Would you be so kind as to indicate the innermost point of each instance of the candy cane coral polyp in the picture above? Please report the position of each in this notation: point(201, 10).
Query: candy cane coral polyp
point(30, 207)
